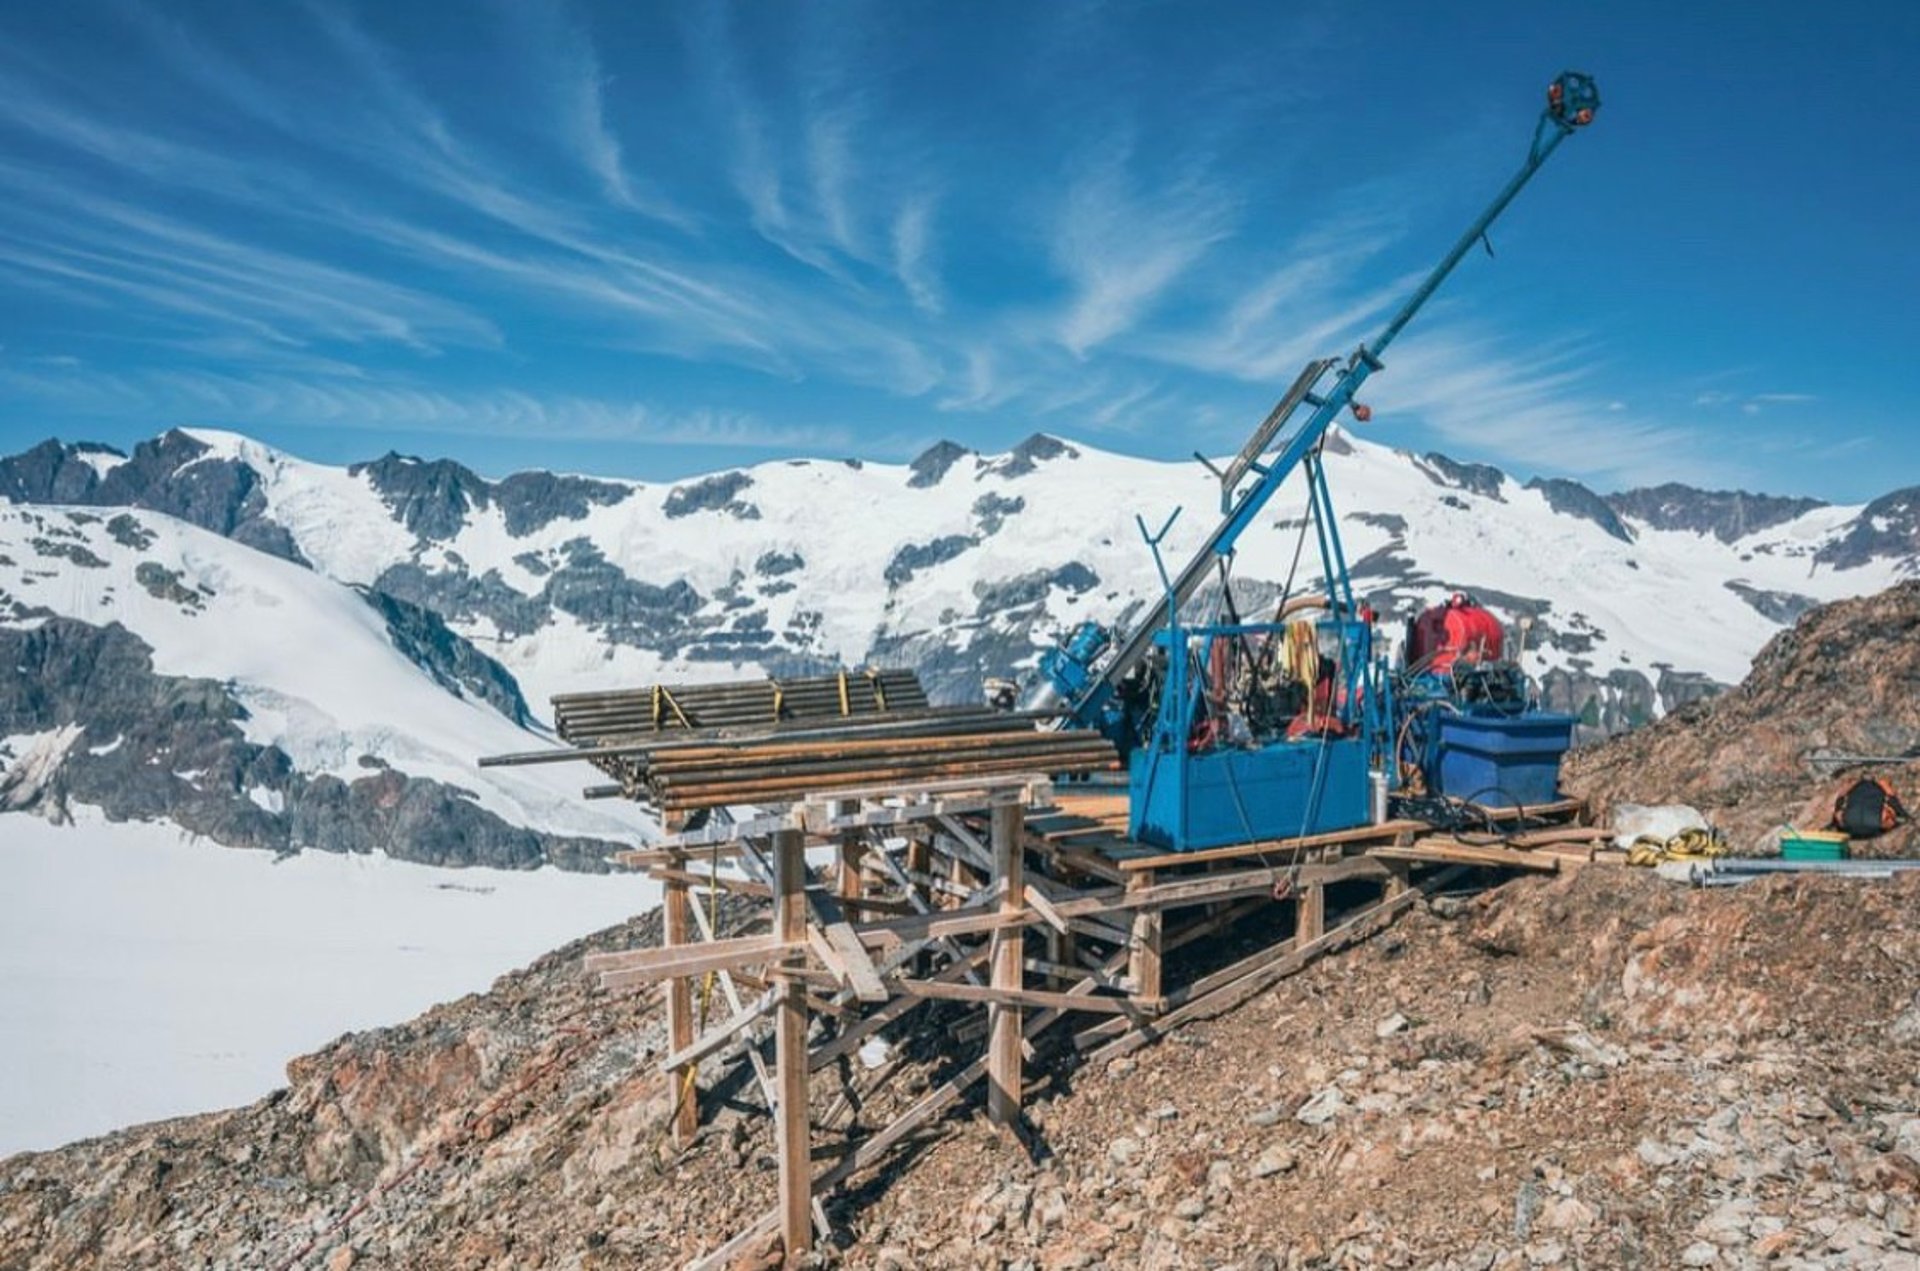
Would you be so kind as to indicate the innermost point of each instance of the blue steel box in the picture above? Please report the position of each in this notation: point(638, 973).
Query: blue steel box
point(1188, 802)
point(1502, 761)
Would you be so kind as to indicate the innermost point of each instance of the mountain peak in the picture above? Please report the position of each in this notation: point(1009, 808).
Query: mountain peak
point(1728, 515)
point(931, 464)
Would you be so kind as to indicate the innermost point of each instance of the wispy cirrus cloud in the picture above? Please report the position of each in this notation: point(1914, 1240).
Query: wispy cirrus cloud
point(324, 204)
point(1750, 403)
point(1541, 408)
point(913, 260)
point(1121, 246)
point(244, 401)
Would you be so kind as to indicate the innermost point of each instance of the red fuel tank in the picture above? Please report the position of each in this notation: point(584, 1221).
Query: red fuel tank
point(1458, 630)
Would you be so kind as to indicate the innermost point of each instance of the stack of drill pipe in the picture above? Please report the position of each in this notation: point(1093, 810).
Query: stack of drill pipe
point(593, 718)
point(772, 769)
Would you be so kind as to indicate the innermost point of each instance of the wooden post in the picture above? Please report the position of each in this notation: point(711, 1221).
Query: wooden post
point(1398, 878)
point(790, 1051)
point(1313, 914)
point(1004, 1076)
point(1143, 962)
point(851, 850)
point(676, 929)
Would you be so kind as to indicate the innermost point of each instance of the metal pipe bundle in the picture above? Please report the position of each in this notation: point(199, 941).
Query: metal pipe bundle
point(593, 718)
point(773, 742)
point(773, 770)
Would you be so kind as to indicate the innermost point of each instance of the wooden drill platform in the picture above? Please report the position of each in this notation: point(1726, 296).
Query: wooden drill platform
point(1000, 891)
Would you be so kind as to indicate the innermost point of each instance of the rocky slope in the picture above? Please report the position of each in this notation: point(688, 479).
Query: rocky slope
point(965, 564)
point(1598, 1070)
point(1843, 681)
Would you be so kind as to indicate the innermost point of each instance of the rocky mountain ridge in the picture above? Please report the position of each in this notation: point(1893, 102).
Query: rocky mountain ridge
point(967, 564)
point(162, 673)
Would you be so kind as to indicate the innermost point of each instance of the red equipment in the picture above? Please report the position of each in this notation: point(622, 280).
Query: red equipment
point(1459, 630)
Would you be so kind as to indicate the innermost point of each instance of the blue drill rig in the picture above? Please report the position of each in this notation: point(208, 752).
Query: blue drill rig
point(1238, 732)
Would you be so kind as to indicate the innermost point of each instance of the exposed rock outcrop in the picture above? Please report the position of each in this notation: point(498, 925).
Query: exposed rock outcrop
point(1843, 681)
point(153, 746)
point(171, 473)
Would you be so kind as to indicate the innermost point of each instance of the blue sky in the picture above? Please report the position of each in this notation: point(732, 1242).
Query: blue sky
point(654, 239)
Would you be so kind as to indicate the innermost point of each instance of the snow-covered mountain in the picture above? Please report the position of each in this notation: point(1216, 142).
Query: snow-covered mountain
point(960, 564)
point(158, 671)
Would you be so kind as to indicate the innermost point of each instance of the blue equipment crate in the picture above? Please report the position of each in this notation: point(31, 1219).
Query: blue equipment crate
point(1228, 796)
point(1501, 761)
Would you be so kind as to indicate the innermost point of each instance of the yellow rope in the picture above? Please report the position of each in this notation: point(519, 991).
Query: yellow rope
point(1689, 845)
point(687, 1089)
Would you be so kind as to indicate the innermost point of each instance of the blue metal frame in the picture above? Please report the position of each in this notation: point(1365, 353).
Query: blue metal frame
point(1187, 799)
point(1572, 101)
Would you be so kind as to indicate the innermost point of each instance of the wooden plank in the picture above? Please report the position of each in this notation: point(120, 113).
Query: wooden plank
point(645, 966)
point(1236, 851)
point(859, 1030)
point(1089, 863)
point(937, 924)
point(718, 1036)
point(1015, 998)
point(1005, 1080)
point(1559, 807)
point(1044, 907)
point(1436, 851)
point(729, 988)
point(862, 976)
point(1559, 834)
point(792, 1135)
point(710, 881)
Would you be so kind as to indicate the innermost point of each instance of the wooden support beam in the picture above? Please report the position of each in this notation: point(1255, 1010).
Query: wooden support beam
point(676, 926)
point(706, 879)
point(1015, 999)
point(1044, 907)
point(690, 1053)
point(730, 989)
point(1268, 847)
point(646, 966)
point(1143, 966)
point(877, 1146)
point(1313, 913)
point(967, 845)
point(1398, 877)
point(1229, 987)
point(847, 884)
point(1004, 1078)
point(791, 1131)
point(840, 949)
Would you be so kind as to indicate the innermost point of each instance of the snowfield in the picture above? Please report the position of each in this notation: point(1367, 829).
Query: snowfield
point(144, 976)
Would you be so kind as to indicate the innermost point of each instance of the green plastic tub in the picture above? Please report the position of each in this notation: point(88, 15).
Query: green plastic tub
point(1813, 845)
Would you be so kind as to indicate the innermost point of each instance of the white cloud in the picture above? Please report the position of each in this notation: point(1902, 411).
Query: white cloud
point(1120, 247)
point(913, 255)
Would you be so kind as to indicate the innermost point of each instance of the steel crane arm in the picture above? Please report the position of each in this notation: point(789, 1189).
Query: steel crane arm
point(1572, 101)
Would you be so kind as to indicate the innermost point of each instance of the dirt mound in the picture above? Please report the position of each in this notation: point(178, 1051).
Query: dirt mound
point(1600, 1070)
point(1844, 680)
